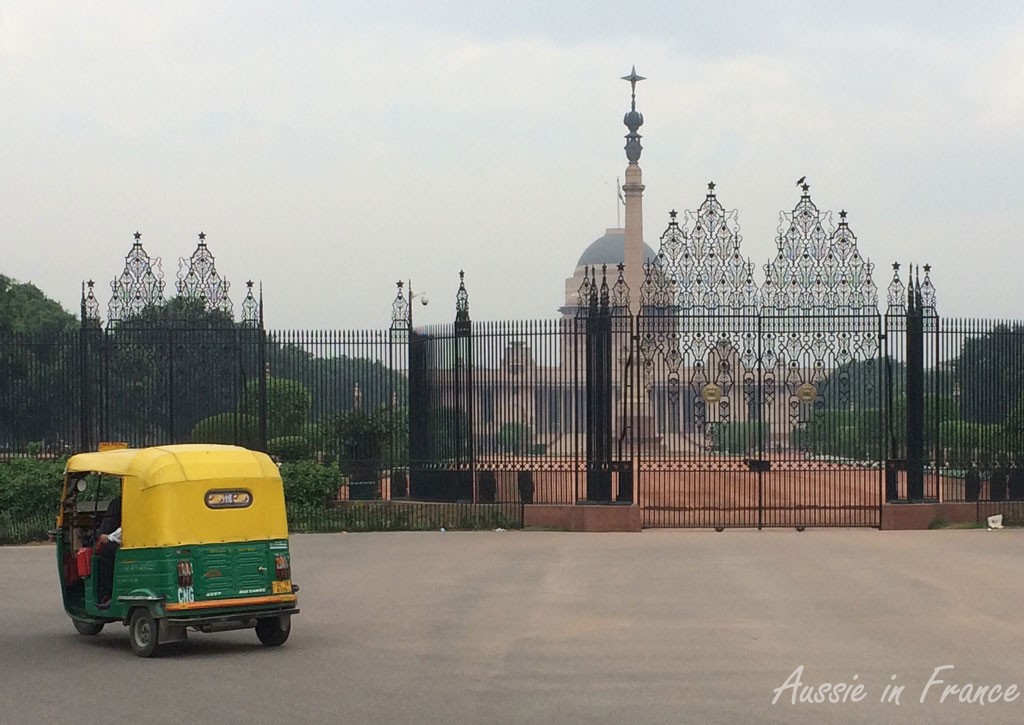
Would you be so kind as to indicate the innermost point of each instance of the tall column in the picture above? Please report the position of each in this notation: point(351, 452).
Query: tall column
point(637, 427)
point(633, 192)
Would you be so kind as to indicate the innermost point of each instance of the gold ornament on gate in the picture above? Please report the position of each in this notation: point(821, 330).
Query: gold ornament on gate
point(806, 393)
point(711, 393)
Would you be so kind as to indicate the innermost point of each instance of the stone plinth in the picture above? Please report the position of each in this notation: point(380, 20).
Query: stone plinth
point(907, 516)
point(582, 517)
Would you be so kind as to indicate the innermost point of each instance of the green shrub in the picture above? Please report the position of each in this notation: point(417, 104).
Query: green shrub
point(965, 442)
point(317, 436)
point(289, 448)
point(232, 428)
point(308, 483)
point(288, 405)
point(742, 437)
point(30, 488)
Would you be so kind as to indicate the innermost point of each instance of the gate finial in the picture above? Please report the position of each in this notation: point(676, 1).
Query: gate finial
point(462, 300)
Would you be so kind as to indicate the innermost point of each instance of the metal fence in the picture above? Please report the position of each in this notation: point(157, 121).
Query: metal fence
point(506, 411)
point(354, 516)
point(972, 415)
point(25, 530)
point(704, 397)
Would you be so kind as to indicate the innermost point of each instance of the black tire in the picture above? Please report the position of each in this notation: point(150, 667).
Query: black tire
point(274, 631)
point(143, 632)
point(88, 628)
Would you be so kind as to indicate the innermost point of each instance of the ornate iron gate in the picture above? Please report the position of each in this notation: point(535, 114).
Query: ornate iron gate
point(709, 400)
point(762, 404)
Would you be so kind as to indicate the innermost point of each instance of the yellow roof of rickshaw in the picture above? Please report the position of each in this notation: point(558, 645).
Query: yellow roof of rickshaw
point(161, 465)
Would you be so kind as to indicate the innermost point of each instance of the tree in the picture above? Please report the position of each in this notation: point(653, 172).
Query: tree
point(366, 443)
point(333, 379)
point(171, 365)
point(937, 411)
point(288, 405)
point(24, 309)
point(38, 360)
point(964, 442)
point(1013, 430)
point(990, 374)
point(231, 428)
point(859, 385)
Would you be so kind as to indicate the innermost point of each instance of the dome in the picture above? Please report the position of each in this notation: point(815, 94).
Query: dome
point(610, 249)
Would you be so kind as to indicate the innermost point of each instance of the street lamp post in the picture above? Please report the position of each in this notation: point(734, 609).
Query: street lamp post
point(424, 300)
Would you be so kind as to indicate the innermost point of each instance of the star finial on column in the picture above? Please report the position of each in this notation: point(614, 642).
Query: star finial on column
point(633, 79)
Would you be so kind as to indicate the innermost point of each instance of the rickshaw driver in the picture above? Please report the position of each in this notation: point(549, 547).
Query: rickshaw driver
point(110, 542)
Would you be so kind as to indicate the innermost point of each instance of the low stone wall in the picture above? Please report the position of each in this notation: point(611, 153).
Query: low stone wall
point(911, 516)
point(582, 517)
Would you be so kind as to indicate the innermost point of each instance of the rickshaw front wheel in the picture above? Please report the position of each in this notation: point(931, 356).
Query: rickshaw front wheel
point(143, 632)
point(273, 631)
point(88, 628)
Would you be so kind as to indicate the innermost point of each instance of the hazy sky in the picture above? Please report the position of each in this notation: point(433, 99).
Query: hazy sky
point(328, 149)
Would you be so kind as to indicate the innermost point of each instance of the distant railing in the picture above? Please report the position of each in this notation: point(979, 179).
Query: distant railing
point(25, 531)
point(355, 516)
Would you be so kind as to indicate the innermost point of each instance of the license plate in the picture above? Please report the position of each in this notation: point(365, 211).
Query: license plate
point(284, 587)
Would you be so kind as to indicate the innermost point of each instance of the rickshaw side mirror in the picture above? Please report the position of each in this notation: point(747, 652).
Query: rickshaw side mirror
point(80, 485)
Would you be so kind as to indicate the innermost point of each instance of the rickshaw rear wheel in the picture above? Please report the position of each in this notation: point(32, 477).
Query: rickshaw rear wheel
point(88, 628)
point(143, 632)
point(273, 631)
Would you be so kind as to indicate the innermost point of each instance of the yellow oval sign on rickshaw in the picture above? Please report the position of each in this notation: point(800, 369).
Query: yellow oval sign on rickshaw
point(806, 393)
point(711, 393)
point(228, 499)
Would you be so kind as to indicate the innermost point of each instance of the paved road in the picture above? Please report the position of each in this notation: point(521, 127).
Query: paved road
point(530, 627)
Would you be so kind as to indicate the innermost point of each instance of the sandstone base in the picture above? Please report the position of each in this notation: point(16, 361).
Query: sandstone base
point(582, 517)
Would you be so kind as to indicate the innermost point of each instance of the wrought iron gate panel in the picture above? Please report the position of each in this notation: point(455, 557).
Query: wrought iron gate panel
point(779, 417)
point(702, 385)
point(762, 421)
point(824, 416)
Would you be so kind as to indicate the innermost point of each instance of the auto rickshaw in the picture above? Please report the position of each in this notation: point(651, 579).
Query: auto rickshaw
point(204, 543)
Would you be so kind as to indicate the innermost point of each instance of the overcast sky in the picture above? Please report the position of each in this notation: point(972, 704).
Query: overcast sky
point(328, 149)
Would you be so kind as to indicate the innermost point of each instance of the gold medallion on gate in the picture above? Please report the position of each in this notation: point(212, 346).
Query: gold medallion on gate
point(711, 393)
point(806, 393)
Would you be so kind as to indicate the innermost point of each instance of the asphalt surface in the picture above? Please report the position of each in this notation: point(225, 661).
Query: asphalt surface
point(543, 627)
